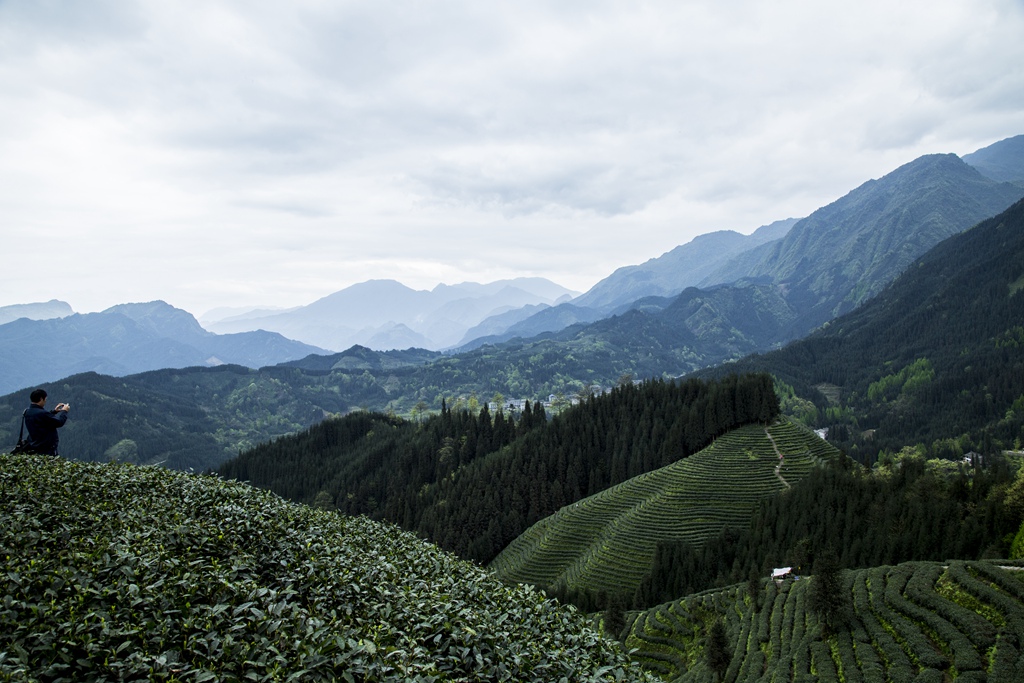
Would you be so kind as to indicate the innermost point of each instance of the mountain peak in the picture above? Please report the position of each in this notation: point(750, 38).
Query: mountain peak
point(53, 308)
point(162, 318)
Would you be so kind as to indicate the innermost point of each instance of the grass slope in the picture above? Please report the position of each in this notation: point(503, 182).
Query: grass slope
point(119, 572)
point(607, 542)
point(923, 621)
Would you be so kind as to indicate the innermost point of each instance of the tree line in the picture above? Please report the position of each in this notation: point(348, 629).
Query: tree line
point(472, 482)
point(908, 511)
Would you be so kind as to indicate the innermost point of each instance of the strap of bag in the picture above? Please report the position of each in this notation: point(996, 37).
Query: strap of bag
point(21, 431)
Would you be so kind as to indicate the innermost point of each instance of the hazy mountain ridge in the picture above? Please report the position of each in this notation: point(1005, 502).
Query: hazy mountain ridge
point(127, 339)
point(35, 311)
point(651, 337)
point(685, 266)
point(1002, 161)
point(846, 252)
point(944, 310)
point(550, 319)
point(827, 263)
point(834, 259)
point(385, 314)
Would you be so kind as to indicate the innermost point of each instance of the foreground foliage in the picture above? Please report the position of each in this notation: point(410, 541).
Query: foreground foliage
point(917, 621)
point(116, 572)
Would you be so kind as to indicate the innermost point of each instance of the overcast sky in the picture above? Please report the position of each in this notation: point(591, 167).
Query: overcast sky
point(237, 153)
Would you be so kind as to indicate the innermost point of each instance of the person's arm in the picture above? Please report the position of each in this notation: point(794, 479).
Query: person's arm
point(57, 418)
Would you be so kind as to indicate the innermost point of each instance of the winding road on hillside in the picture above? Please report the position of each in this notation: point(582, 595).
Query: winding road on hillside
point(778, 468)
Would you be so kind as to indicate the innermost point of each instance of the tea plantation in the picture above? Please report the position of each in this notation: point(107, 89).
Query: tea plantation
point(118, 572)
point(607, 542)
point(917, 621)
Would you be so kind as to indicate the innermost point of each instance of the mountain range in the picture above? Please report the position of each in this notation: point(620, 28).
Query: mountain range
point(688, 265)
point(385, 314)
point(825, 263)
point(822, 265)
point(126, 339)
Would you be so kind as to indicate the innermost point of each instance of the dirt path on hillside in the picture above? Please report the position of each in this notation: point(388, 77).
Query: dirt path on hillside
point(778, 468)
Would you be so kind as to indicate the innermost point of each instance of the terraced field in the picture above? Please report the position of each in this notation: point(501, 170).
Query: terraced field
point(918, 621)
point(607, 542)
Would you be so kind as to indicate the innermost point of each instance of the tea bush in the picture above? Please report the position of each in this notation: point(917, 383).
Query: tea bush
point(118, 572)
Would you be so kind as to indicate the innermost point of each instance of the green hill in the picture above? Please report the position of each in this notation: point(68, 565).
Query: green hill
point(917, 621)
point(472, 483)
point(937, 358)
point(909, 510)
point(118, 572)
point(607, 542)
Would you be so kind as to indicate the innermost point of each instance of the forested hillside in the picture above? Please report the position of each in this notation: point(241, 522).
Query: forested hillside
point(909, 509)
point(116, 572)
point(606, 543)
point(189, 418)
point(474, 482)
point(936, 359)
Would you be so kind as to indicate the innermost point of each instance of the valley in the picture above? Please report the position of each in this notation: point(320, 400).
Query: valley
point(839, 396)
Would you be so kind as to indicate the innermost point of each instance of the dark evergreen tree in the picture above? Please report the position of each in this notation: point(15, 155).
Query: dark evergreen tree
point(827, 598)
point(717, 652)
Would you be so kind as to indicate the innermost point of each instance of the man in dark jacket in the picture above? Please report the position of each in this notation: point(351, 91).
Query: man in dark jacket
point(42, 424)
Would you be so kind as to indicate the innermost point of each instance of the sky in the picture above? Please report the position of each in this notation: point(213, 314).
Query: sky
point(231, 154)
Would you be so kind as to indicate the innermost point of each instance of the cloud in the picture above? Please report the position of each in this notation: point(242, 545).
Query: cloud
point(222, 153)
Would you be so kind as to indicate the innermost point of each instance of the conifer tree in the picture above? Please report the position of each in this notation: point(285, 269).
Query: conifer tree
point(717, 650)
point(827, 598)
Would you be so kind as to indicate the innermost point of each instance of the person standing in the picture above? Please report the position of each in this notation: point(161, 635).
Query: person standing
point(42, 424)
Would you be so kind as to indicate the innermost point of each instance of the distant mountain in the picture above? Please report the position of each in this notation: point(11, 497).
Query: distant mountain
point(845, 253)
point(36, 311)
point(362, 358)
point(497, 324)
point(664, 276)
point(827, 261)
point(126, 339)
point(938, 355)
point(235, 313)
point(385, 314)
point(685, 266)
point(548, 319)
point(1002, 161)
point(825, 264)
